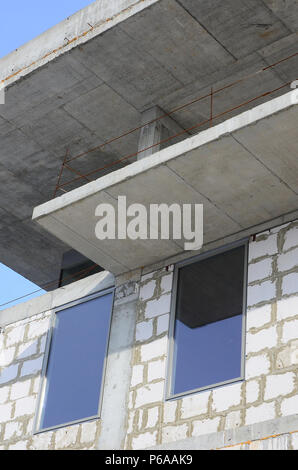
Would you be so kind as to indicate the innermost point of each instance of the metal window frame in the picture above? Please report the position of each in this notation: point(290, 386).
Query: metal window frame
point(171, 346)
point(43, 380)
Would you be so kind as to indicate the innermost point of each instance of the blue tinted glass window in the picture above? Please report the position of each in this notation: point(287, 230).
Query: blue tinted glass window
point(76, 362)
point(208, 322)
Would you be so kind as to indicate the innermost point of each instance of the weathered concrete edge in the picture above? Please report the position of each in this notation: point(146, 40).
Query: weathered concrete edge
point(55, 226)
point(79, 28)
point(235, 436)
point(230, 238)
point(214, 133)
point(63, 295)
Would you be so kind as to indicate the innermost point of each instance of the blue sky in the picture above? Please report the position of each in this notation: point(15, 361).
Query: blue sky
point(13, 285)
point(23, 20)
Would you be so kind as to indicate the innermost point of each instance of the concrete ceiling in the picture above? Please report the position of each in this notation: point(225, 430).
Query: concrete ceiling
point(238, 170)
point(166, 54)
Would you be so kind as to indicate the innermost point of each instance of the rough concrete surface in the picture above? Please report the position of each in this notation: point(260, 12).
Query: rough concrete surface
point(91, 77)
point(238, 170)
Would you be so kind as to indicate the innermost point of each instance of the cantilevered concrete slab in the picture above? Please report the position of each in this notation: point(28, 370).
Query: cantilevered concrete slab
point(91, 78)
point(244, 171)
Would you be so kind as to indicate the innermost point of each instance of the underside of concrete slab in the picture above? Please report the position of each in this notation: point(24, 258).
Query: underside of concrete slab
point(93, 76)
point(244, 171)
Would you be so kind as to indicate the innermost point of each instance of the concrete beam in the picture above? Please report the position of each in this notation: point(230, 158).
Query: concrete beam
point(154, 133)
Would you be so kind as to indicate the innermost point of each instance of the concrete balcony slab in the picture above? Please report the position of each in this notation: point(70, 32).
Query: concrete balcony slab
point(244, 171)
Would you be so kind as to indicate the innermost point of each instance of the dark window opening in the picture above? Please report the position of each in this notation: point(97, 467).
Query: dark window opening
point(208, 325)
point(75, 266)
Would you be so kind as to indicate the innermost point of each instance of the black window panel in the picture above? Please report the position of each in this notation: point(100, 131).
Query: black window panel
point(75, 266)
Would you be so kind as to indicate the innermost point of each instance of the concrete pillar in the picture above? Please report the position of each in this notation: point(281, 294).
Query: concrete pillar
point(155, 132)
point(114, 410)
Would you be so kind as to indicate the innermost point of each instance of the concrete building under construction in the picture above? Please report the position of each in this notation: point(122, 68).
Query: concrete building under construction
point(141, 343)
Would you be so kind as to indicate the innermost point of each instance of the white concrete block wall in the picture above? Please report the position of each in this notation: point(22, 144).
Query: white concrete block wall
point(270, 388)
point(269, 391)
point(286, 441)
point(22, 353)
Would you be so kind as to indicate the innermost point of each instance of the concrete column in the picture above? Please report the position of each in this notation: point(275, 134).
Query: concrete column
point(118, 374)
point(155, 132)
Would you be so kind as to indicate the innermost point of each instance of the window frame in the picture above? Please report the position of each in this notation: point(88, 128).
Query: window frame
point(42, 387)
point(171, 346)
